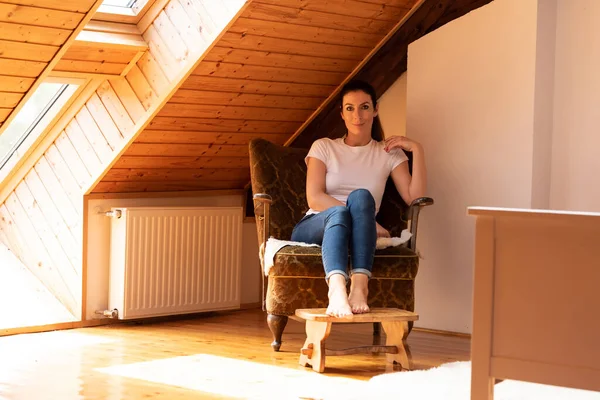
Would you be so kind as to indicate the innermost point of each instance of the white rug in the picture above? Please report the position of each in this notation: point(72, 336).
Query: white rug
point(452, 382)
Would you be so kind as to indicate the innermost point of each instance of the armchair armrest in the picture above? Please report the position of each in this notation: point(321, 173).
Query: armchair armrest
point(413, 218)
point(262, 206)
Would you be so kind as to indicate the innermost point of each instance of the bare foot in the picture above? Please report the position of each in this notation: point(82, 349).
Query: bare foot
point(359, 292)
point(338, 298)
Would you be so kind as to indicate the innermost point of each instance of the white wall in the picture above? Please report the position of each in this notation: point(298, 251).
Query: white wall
point(392, 108)
point(470, 102)
point(576, 135)
point(99, 239)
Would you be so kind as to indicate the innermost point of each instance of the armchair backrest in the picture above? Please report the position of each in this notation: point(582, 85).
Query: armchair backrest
point(280, 172)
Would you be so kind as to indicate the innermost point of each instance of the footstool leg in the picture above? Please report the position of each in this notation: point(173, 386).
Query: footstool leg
point(397, 332)
point(313, 351)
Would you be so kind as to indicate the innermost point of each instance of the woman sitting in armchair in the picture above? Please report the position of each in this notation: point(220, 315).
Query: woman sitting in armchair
point(345, 182)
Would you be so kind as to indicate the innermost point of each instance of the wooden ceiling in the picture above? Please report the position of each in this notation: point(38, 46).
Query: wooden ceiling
point(273, 68)
point(32, 33)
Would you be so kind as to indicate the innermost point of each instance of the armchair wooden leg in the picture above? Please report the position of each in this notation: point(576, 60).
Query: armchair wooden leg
point(277, 324)
point(397, 332)
point(313, 351)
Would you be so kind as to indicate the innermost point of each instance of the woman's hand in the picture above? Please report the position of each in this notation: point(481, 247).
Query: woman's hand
point(381, 231)
point(402, 142)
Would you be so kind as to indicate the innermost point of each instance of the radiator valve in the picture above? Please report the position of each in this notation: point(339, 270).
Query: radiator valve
point(113, 214)
point(114, 313)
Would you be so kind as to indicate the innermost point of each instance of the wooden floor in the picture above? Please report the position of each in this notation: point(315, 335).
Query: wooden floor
point(215, 356)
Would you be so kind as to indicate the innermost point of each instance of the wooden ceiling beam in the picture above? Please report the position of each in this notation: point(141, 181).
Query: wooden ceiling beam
point(387, 64)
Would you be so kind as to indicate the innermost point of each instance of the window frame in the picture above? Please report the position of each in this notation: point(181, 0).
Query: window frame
point(131, 15)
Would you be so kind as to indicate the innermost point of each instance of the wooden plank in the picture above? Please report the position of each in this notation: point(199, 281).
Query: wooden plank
point(188, 30)
point(90, 67)
point(112, 27)
point(69, 268)
point(33, 34)
point(141, 87)
point(53, 168)
point(187, 150)
point(146, 162)
point(299, 16)
point(208, 24)
point(170, 36)
point(129, 99)
point(4, 113)
point(224, 125)
point(90, 130)
point(115, 109)
point(109, 40)
point(256, 87)
point(148, 136)
point(104, 121)
point(153, 73)
point(183, 174)
point(132, 187)
point(292, 47)
point(65, 193)
point(80, 6)
point(159, 51)
point(84, 53)
point(196, 20)
point(26, 15)
point(45, 269)
point(188, 96)
point(149, 16)
point(29, 69)
point(27, 51)
point(277, 60)
point(351, 8)
point(9, 100)
point(15, 84)
point(233, 112)
point(72, 159)
point(132, 63)
point(260, 73)
point(304, 32)
point(82, 145)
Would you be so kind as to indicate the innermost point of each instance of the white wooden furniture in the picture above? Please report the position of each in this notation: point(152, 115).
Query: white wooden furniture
point(536, 302)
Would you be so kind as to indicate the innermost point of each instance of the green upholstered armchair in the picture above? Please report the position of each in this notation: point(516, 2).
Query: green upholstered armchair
point(297, 279)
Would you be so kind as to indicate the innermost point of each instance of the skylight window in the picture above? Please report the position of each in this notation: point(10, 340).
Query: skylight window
point(119, 3)
point(33, 118)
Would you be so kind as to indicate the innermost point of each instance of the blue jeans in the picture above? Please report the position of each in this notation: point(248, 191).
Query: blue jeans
point(339, 227)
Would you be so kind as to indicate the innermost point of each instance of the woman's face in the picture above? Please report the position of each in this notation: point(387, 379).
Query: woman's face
point(358, 113)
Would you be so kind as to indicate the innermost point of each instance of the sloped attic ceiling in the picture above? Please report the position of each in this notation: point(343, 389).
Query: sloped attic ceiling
point(273, 71)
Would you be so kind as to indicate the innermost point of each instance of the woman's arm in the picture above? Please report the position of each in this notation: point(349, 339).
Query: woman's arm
point(318, 200)
point(409, 187)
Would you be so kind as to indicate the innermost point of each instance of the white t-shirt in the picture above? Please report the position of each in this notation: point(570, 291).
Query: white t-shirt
point(355, 167)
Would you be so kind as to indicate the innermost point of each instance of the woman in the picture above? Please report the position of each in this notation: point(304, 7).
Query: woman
point(345, 181)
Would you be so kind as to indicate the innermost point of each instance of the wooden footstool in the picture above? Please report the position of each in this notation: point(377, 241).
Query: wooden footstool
point(318, 327)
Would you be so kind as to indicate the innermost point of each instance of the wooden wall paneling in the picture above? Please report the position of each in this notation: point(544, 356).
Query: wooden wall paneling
point(132, 63)
point(158, 48)
point(257, 87)
point(147, 19)
point(189, 33)
point(134, 187)
point(47, 17)
point(196, 20)
point(9, 100)
point(15, 84)
point(141, 87)
point(83, 147)
point(166, 137)
point(277, 60)
point(43, 267)
point(53, 169)
point(4, 113)
point(88, 128)
point(81, 52)
point(112, 40)
point(208, 24)
point(181, 174)
point(112, 27)
point(90, 67)
point(153, 73)
point(28, 69)
point(303, 32)
point(72, 159)
point(64, 191)
point(104, 121)
point(190, 96)
point(192, 150)
point(80, 6)
point(175, 44)
point(27, 51)
point(115, 108)
point(145, 162)
point(225, 125)
point(130, 101)
point(33, 34)
point(261, 73)
point(233, 112)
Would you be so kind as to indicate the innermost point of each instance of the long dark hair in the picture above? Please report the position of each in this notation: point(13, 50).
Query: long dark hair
point(357, 85)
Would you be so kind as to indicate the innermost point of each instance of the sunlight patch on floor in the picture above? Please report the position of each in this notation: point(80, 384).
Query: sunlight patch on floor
point(238, 378)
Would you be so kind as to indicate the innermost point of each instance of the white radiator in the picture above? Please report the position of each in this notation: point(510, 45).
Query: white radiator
point(174, 260)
